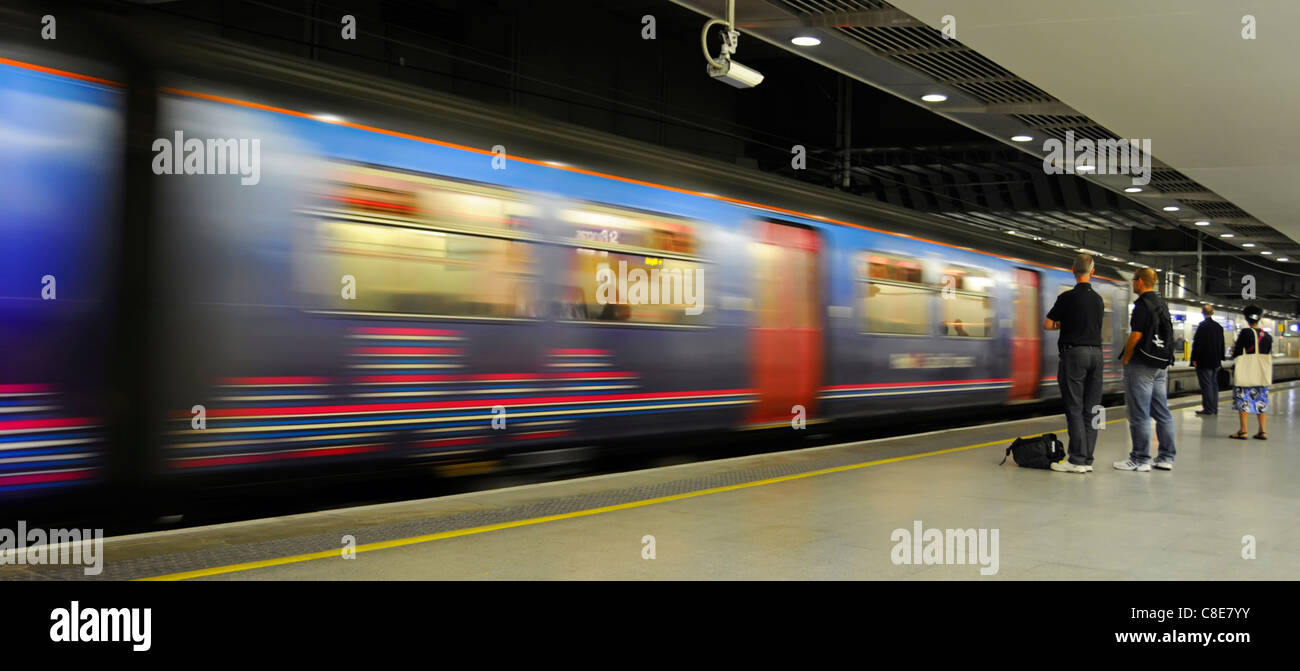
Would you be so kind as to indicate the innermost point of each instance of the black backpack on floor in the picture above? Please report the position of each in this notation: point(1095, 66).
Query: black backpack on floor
point(1037, 452)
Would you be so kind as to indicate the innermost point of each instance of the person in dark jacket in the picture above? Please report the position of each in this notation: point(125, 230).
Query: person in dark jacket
point(1251, 400)
point(1207, 358)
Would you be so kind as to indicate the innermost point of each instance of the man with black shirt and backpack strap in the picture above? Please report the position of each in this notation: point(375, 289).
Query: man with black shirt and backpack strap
point(1147, 356)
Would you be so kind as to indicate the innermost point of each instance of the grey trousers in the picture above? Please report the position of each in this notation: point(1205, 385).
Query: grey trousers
point(1079, 375)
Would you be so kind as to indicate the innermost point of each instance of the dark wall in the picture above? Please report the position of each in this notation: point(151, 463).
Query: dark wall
point(585, 63)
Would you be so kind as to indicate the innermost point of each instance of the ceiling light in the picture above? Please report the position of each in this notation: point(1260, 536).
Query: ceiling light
point(1022, 138)
point(1225, 235)
point(1248, 244)
point(806, 41)
point(328, 118)
point(1171, 208)
point(1133, 189)
point(934, 97)
point(1266, 252)
point(1282, 258)
point(1085, 168)
point(1202, 223)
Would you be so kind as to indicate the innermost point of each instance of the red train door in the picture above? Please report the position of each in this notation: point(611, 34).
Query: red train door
point(787, 354)
point(1026, 337)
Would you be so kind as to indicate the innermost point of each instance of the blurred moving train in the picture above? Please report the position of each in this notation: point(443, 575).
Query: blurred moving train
point(415, 279)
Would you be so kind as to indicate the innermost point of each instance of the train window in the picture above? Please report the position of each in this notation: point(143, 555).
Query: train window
point(468, 207)
point(803, 279)
point(967, 306)
point(895, 268)
point(786, 287)
point(632, 267)
point(414, 271)
point(1106, 336)
point(377, 195)
point(894, 297)
point(430, 201)
point(1025, 309)
point(601, 226)
point(609, 286)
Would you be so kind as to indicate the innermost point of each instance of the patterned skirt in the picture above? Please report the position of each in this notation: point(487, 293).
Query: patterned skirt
point(1253, 400)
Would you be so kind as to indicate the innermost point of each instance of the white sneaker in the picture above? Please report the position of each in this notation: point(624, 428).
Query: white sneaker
point(1067, 467)
point(1130, 465)
point(1164, 465)
point(1087, 469)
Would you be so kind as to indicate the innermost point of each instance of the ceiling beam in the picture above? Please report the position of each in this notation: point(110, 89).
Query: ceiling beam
point(871, 18)
point(1235, 252)
point(1053, 108)
point(1208, 196)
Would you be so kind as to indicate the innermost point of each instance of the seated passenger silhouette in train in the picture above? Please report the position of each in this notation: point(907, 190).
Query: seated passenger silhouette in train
point(615, 312)
point(575, 304)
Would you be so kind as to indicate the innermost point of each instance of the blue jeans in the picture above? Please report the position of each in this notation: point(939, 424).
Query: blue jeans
point(1146, 396)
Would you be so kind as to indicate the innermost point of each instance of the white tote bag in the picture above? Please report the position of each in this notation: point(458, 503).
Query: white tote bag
point(1253, 370)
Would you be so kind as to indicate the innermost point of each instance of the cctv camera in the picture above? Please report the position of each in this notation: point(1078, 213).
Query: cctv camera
point(736, 74)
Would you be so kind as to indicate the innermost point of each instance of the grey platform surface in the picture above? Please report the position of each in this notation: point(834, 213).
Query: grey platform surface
point(822, 513)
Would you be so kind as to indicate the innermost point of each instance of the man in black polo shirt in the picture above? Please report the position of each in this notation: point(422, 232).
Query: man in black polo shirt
point(1078, 314)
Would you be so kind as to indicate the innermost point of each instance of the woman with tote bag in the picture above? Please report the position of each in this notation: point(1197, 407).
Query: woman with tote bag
point(1252, 372)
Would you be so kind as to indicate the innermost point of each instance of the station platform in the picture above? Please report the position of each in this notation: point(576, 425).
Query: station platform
point(832, 512)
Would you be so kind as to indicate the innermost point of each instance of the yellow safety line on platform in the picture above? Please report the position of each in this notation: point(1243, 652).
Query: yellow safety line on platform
point(413, 540)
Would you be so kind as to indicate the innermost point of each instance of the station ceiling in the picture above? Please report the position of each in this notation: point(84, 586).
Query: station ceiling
point(1218, 109)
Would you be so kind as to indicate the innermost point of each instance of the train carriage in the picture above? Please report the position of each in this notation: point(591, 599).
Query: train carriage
point(412, 279)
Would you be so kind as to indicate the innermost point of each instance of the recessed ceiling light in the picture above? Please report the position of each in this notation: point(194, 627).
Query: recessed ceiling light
point(1202, 223)
point(1266, 253)
point(1171, 208)
point(1248, 244)
point(934, 97)
point(1133, 189)
point(1085, 168)
point(556, 164)
point(1021, 138)
point(1225, 235)
point(806, 41)
point(328, 118)
point(1282, 258)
